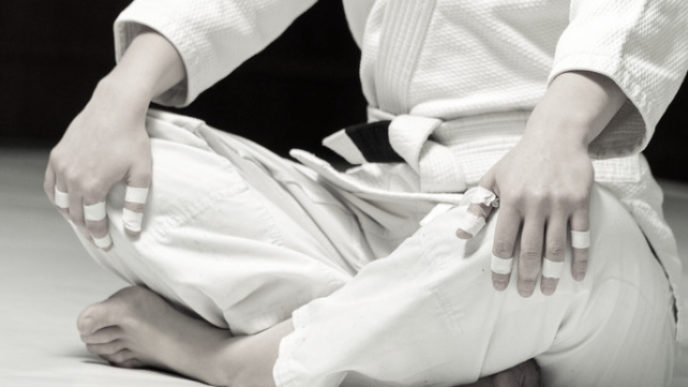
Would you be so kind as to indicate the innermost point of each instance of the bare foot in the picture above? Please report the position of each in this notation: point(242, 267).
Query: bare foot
point(137, 328)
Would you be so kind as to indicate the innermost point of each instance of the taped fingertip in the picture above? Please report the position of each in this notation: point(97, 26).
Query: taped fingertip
point(480, 195)
point(132, 221)
point(104, 243)
point(470, 224)
point(61, 199)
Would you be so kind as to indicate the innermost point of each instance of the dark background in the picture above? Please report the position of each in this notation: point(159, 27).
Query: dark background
point(302, 87)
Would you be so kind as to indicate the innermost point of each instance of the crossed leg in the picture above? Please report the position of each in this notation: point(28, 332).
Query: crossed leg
point(137, 328)
point(249, 276)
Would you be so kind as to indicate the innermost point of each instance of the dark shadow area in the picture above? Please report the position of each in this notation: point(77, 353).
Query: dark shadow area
point(302, 87)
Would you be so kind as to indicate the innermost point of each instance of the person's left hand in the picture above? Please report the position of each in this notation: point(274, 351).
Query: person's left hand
point(543, 185)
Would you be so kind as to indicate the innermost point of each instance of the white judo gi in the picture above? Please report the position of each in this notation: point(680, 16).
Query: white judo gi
point(247, 239)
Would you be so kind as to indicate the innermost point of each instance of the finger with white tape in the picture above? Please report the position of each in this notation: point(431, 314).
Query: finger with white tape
point(502, 266)
point(470, 224)
point(480, 195)
point(104, 242)
point(61, 199)
point(480, 201)
point(136, 195)
point(580, 239)
point(95, 216)
point(552, 269)
point(95, 212)
point(134, 204)
point(132, 220)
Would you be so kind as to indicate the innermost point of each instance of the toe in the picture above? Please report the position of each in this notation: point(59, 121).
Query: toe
point(96, 317)
point(107, 349)
point(104, 335)
point(132, 363)
point(120, 357)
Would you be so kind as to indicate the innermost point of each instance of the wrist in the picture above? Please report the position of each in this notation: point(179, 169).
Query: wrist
point(138, 89)
point(123, 93)
point(565, 130)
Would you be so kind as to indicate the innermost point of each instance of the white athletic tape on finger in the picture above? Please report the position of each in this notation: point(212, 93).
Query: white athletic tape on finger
point(103, 242)
point(61, 199)
point(471, 223)
point(501, 265)
point(580, 239)
point(136, 195)
point(552, 269)
point(132, 220)
point(480, 195)
point(95, 212)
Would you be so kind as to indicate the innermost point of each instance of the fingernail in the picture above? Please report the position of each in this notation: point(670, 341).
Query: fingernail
point(548, 286)
point(579, 271)
point(526, 290)
point(500, 284)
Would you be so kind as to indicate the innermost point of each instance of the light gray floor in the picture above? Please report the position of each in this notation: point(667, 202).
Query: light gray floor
point(46, 279)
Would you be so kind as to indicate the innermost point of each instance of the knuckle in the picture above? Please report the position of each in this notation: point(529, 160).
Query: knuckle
point(513, 199)
point(537, 197)
point(72, 176)
point(93, 188)
point(578, 199)
point(59, 166)
point(54, 157)
point(530, 255)
point(555, 251)
point(502, 248)
point(529, 268)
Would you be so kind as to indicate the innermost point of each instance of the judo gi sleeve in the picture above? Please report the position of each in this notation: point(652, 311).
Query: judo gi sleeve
point(213, 37)
point(642, 45)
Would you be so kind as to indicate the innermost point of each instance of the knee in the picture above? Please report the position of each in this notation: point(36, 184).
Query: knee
point(618, 246)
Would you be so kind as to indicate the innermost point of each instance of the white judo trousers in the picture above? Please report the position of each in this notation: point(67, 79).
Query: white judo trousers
point(247, 239)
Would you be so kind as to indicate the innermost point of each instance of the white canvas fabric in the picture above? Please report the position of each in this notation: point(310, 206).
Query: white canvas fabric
point(246, 239)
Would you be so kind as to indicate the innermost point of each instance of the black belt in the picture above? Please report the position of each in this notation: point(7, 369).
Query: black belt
point(372, 140)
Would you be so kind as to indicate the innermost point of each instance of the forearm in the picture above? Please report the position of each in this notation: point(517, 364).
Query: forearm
point(577, 106)
point(149, 67)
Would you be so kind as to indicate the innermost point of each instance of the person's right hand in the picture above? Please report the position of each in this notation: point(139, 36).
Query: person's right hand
point(105, 144)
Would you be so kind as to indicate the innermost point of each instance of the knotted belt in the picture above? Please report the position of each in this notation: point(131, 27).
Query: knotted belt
point(405, 138)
